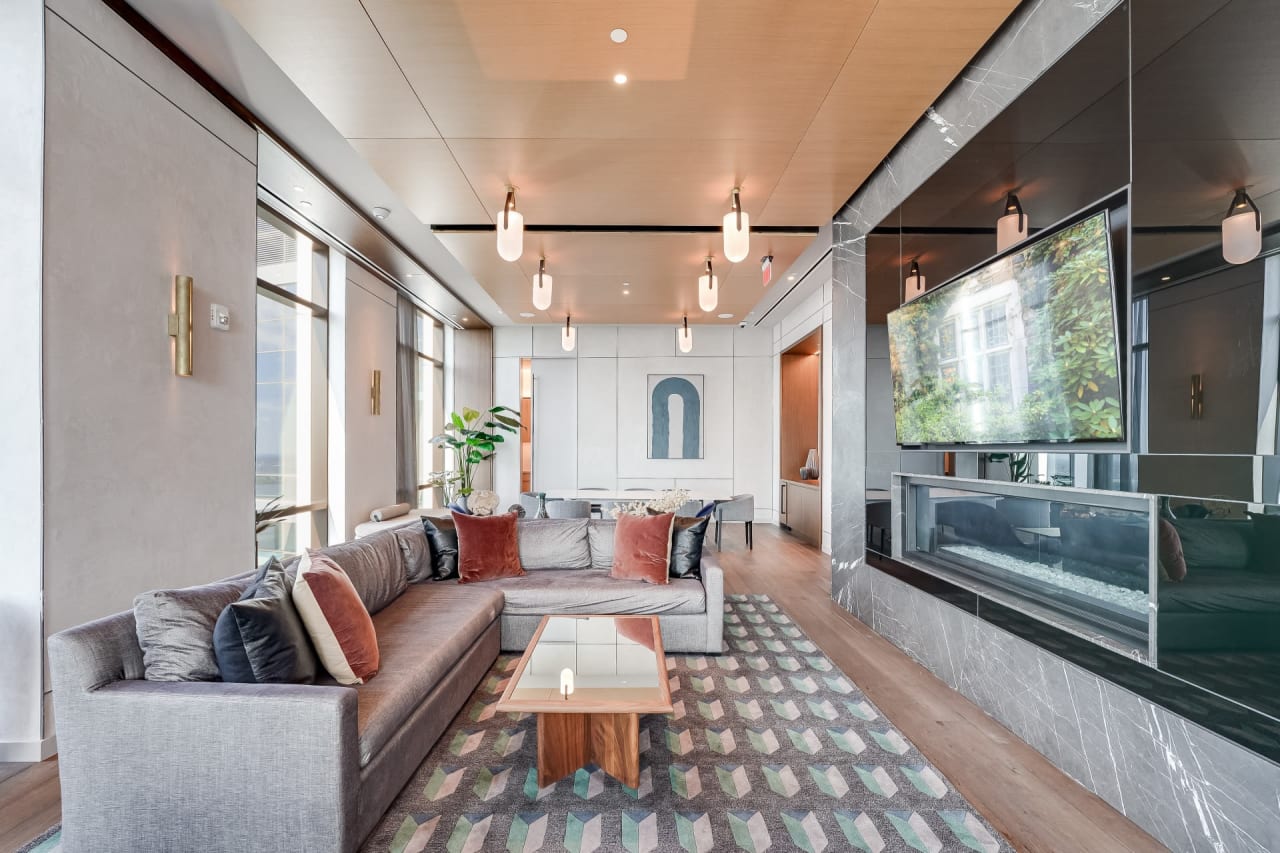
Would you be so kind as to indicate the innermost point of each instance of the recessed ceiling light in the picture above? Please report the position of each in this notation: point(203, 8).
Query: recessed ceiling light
point(410, 275)
point(525, 314)
point(619, 78)
point(618, 35)
point(381, 213)
point(626, 293)
point(298, 188)
point(791, 278)
point(304, 204)
point(1166, 278)
point(725, 316)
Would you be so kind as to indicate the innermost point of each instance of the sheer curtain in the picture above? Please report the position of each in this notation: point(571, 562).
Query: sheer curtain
point(406, 402)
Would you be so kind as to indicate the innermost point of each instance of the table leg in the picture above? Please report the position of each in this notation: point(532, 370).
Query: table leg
point(567, 742)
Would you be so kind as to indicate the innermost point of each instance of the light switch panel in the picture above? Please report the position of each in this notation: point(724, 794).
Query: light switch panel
point(220, 318)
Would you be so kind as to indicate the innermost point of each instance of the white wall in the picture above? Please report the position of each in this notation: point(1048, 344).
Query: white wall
point(470, 382)
point(590, 425)
point(812, 310)
point(370, 440)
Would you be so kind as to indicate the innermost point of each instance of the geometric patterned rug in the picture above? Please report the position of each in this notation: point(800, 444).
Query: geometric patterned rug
point(770, 747)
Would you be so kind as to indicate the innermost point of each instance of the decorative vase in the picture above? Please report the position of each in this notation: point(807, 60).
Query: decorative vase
point(542, 506)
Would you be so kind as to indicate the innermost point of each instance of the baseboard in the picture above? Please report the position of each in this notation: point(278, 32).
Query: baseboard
point(28, 751)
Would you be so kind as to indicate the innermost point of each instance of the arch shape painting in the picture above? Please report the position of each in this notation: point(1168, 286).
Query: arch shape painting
point(675, 416)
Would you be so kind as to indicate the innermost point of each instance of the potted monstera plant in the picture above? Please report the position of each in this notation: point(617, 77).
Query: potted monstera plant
point(472, 437)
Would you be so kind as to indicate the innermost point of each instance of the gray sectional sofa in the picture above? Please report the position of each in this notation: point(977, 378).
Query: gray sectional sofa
point(158, 766)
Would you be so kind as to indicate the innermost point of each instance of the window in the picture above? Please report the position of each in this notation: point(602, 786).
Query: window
point(995, 325)
point(949, 349)
point(292, 383)
point(429, 400)
point(999, 375)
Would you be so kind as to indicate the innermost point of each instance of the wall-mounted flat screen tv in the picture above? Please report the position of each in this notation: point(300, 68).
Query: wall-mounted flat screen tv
point(1023, 349)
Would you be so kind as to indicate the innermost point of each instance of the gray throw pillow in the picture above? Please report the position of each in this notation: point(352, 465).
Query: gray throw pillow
point(175, 629)
point(554, 543)
point(600, 539)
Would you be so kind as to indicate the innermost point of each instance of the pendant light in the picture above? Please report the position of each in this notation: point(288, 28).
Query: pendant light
point(915, 283)
point(708, 289)
point(510, 229)
point(542, 287)
point(1241, 230)
point(569, 336)
point(1011, 229)
point(685, 336)
point(737, 231)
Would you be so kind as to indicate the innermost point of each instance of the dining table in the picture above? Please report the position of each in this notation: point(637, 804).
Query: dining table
point(598, 495)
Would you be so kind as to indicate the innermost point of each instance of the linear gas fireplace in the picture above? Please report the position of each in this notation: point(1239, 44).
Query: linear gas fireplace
point(1081, 559)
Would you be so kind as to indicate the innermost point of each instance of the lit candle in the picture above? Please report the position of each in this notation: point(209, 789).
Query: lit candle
point(566, 682)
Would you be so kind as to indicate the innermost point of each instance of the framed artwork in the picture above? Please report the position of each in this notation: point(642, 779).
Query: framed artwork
point(675, 416)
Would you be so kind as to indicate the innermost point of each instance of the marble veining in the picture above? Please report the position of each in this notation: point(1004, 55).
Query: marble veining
point(1190, 788)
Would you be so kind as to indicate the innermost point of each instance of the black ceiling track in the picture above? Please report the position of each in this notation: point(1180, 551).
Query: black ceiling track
point(795, 230)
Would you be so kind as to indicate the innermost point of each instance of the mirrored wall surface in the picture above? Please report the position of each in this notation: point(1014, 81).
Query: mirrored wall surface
point(1163, 115)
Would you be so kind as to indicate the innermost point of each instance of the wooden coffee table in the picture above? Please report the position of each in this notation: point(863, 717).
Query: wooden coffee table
point(619, 672)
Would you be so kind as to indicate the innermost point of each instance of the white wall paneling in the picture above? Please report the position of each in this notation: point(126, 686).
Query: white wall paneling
point(555, 423)
point(471, 382)
point(511, 341)
point(597, 423)
point(505, 467)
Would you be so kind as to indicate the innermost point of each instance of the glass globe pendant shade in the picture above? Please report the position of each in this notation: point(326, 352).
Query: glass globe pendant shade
point(914, 285)
point(1012, 228)
point(708, 290)
point(737, 231)
point(542, 288)
point(510, 229)
point(568, 336)
point(1241, 230)
point(685, 337)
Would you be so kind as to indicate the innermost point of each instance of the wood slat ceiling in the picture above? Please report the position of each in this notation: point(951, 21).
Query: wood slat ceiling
point(451, 100)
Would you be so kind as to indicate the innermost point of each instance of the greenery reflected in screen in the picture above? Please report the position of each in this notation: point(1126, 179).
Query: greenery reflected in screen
point(1023, 349)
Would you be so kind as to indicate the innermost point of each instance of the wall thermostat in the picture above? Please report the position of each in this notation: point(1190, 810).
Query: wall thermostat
point(220, 318)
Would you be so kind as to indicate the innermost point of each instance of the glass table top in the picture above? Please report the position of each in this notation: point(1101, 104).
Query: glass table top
point(604, 664)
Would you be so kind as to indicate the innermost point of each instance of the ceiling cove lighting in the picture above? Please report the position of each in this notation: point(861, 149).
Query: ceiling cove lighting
point(1241, 230)
point(737, 230)
point(569, 336)
point(685, 336)
point(914, 284)
point(708, 289)
point(542, 286)
point(510, 229)
point(1011, 228)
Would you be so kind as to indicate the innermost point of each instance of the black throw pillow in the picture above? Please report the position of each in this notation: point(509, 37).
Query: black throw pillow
point(442, 538)
point(260, 639)
point(687, 535)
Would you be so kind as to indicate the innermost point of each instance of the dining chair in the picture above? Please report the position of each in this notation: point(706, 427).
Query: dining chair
point(689, 509)
point(597, 507)
point(739, 508)
point(569, 509)
point(529, 500)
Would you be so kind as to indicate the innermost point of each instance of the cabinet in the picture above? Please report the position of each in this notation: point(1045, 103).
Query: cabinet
point(800, 509)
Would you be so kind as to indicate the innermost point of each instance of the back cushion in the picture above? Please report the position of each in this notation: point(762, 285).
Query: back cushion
point(175, 629)
point(600, 535)
point(415, 552)
point(376, 568)
point(1214, 543)
point(554, 543)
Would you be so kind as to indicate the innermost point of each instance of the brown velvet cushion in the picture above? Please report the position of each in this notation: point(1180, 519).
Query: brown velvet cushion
point(336, 619)
point(642, 547)
point(488, 547)
point(1173, 566)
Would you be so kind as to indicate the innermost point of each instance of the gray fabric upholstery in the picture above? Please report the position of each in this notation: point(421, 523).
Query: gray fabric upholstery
point(569, 509)
point(559, 543)
point(375, 567)
point(175, 629)
point(151, 766)
point(600, 540)
point(529, 501)
point(593, 591)
point(421, 636)
point(690, 509)
point(737, 508)
point(414, 551)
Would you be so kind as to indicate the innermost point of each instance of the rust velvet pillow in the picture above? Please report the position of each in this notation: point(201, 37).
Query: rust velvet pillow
point(488, 547)
point(339, 626)
point(642, 547)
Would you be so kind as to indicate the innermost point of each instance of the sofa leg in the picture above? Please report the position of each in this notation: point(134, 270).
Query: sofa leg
point(750, 542)
point(718, 548)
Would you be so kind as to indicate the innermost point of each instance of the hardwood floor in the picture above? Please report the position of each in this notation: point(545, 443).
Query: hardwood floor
point(1032, 803)
point(1029, 800)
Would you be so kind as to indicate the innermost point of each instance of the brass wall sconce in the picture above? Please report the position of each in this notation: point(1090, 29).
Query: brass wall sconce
point(1197, 396)
point(375, 393)
point(180, 325)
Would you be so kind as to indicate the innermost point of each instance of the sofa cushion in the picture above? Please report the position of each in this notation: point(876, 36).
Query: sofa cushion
point(375, 566)
point(421, 636)
point(555, 591)
point(175, 629)
point(1214, 543)
point(442, 540)
point(415, 551)
point(687, 537)
point(554, 543)
point(600, 534)
point(488, 547)
point(260, 639)
point(340, 628)
point(642, 548)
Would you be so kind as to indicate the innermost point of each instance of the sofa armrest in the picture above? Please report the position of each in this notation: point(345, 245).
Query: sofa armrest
point(165, 766)
point(713, 588)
